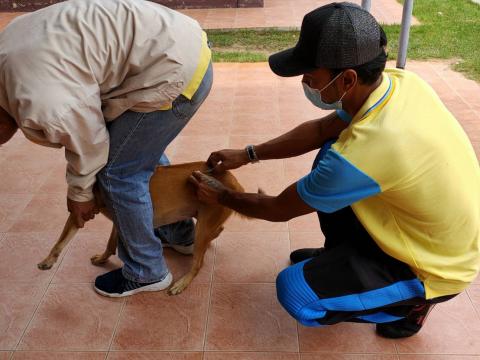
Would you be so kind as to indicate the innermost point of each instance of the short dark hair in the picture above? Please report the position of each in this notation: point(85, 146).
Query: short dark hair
point(369, 72)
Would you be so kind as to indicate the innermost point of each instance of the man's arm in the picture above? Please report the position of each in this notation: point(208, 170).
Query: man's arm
point(306, 137)
point(84, 135)
point(283, 207)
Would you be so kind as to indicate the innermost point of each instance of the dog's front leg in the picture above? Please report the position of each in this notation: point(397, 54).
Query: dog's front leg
point(110, 250)
point(69, 231)
point(204, 234)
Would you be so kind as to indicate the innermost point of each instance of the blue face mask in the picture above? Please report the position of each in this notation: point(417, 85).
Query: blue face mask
point(315, 96)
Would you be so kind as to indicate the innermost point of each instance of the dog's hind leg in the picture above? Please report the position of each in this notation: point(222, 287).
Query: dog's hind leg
point(110, 250)
point(208, 227)
point(69, 231)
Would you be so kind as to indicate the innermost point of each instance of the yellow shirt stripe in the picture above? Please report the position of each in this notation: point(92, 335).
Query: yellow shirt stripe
point(205, 58)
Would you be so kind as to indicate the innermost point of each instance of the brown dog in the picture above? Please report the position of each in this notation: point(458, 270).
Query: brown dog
point(173, 200)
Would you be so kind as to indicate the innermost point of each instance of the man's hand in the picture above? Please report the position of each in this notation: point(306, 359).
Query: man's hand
point(208, 189)
point(82, 211)
point(220, 161)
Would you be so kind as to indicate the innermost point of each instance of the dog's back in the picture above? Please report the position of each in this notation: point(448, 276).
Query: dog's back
point(174, 197)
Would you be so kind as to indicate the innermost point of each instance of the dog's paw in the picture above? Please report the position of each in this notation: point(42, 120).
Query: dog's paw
point(45, 264)
point(178, 286)
point(98, 259)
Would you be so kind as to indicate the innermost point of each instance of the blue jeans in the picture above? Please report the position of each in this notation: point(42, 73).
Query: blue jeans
point(137, 145)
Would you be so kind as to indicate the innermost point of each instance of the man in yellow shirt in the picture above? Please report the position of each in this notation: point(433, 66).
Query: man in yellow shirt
point(113, 82)
point(396, 183)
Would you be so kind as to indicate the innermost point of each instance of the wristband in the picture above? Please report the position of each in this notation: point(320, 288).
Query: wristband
point(252, 155)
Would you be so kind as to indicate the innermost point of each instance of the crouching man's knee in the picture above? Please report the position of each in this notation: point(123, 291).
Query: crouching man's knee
point(297, 297)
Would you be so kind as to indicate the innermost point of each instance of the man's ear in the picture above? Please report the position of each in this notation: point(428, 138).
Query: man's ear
point(349, 79)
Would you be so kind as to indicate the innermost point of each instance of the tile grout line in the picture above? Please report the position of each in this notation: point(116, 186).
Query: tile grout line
point(124, 304)
point(430, 354)
point(41, 299)
point(298, 339)
point(210, 291)
point(31, 195)
point(397, 353)
point(471, 303)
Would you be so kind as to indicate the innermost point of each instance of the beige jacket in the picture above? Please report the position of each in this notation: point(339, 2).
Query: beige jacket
point(67, 69)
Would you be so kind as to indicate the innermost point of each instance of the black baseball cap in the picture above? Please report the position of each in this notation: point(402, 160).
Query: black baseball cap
point(334, 36)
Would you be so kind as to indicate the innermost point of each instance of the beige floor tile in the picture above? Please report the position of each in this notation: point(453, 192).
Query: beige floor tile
point(250, 356)
point(438, 357)
point(76, 266)
point(157, 321)
point(18, 302)
point(344, 338)
point(45, 212)
point(346, 357)
point(196, 148)
point(307, 222)
point(60, 355)
point(300, 240)
point(21, 252)
point(130, 355)
point(72, 317)
point(11, 207)
point(452, 327)
point(247, 317)
point(251, 257)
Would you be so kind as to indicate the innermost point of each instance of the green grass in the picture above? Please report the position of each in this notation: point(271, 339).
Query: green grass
point(450, 29)
point(249, 45)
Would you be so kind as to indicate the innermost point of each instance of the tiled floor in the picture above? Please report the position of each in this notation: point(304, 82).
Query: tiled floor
point(230, 311)
point(275, 13)
point(284, 14)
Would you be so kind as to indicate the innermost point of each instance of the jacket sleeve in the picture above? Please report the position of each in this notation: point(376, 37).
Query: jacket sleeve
point(83, 133)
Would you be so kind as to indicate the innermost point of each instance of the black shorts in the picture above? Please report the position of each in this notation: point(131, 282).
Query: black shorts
point(351, 280)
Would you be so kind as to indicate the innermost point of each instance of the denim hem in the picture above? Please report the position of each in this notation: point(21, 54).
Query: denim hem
point(142, 281)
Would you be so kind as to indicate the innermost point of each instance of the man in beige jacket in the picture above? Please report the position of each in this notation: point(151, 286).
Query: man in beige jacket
point(113, 82)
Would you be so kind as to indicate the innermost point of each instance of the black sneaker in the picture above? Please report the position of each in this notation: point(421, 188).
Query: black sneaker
point(114, 284)
point(304, 254)
point(405, 327)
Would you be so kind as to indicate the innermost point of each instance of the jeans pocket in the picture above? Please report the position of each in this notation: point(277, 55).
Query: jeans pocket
point(182, 108)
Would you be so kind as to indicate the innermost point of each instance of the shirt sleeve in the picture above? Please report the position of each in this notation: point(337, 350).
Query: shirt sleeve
point(343, 115)
point(335, 183)
point(83, 133)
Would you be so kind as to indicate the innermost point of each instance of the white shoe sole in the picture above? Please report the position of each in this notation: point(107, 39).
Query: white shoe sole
point(185, 250)
point(158, 286)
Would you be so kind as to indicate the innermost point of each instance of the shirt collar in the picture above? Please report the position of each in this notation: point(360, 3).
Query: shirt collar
point(377, 99)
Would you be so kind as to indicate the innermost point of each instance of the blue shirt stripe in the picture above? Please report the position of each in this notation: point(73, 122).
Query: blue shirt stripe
point(335, 183)
point(343, 115)
point(380, 100)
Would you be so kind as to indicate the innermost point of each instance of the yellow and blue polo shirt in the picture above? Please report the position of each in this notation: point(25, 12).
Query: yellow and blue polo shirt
point(410, 174)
